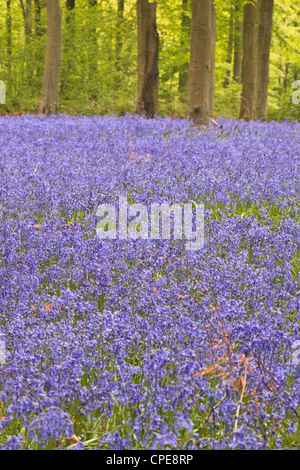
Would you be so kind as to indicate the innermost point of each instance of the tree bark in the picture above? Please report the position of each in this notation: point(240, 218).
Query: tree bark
point(93, 54)
point(199, 69)
point(238, 43)
point(49, 97)
point(185, 30)
point(9, 36)
point(148, 75)
point(265, 12)
point(27, 15)
point(229, 48)
point(212, 59)
point(249, 65)
point(69, 62)
point(119, 35)
point(38, 29)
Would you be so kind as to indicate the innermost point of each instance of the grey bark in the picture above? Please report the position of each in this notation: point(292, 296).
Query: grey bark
point(249, 65)
point(199, 69)
point(49, 98)
point(265, 13)
point(148, 74)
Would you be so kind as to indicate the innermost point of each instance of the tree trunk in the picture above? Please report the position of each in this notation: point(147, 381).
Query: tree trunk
point(70, 16)
point(185, 30)
point(27, 15)
point(238, 43)
point(265, 8)
point(249, 66)
point(69, 63)
point(119, 35)
point(93, 54)
point(199, 69)
point(229, 48)
point(38, 29)
point(9, 36)
point(147, 102)
point(49, 97)
point(286, 74)
point(212, 59)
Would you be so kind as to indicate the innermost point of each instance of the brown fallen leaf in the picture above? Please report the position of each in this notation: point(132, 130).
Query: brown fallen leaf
point(72, 440)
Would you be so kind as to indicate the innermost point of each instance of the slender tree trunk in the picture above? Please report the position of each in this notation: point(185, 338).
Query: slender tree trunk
point(69, 62)
point(93, 54)
point(185, 30)
point(238, 43)
point(199, 69)
point(27, 15)
point(39, 32)
point(212, 59)
point(38, 28)
point(27, 11)
point(49, 97)
point(229, 47)
point(70, 16)
point(119, 35)
point(265, 8)
point(249, 66)
point(286, 74)
point(148, 74)
point(9, 37)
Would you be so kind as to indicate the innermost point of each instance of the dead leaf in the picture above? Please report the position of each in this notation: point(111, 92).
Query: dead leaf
point(72, 440)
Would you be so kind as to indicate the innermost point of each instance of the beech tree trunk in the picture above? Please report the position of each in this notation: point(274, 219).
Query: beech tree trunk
point(9, 36)
point(199, 69)
point(238, 43)
point(120, 32)
point(249, 65)
point(27, 15)
point(147, 102)
point(69, 63)
point(93, 53)
point(185, 30)
point(49, 97)
point(265, 13)
point(212, 59)
point(229, 48)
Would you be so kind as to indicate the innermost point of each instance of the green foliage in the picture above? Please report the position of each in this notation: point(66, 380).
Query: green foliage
point(99, 61)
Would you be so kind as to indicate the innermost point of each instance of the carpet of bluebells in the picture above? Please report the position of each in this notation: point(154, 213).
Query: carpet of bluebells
point(142, 344)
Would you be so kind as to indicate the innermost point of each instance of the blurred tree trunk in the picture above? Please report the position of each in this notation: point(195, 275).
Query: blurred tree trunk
point(148, 75)
point(37, 18)
point(286, 74)
point(212, 59)
point(70, 16)
point(9, 37)
point(49, 96)
point(27, 15)
point(265, 13)
point(93, 54)
point(200, 61)
point(39, 31)
point(69, 51)
point(119, 35)
point(27, 11)
point(249, 65)
point(229, 47)
point(185, 30)
point(238, 43)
